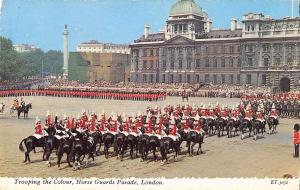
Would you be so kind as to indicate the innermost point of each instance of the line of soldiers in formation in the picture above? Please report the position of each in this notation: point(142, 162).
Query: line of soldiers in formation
point(156, 119)
point(287, 105)
point(171, 123)
point(111, 95)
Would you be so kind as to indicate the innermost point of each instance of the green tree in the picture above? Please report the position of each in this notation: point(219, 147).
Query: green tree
point(53, 62)
point(9, 65)
point(14, 65)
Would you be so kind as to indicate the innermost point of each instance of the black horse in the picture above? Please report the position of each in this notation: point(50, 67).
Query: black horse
point(246, 124)
point(65, 146)
point(98, 140)
point(220, 125)
point(31, 143)
point(166, 144)
point(210, 123)
point(82, 147)
point(108, 140)
point(258, 127)
point(132, 142)
point(232, 125)
point(25, 110)
point(120, 145)
point(194, 138)
point(51, 143)
point(272, 123)
point(153, 143)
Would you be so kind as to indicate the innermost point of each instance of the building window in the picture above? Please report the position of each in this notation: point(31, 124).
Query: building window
point(238, 49)
point(197, 63)
point(180, 64)
point(144, 64)
point(230, 62)
point(198, 50)
point(277, 61)
point(239, 64)
point(151, 64)
point(171, 78)
point(207, 62)
point(188, 78)
point(144, 78)
point(151, 78)
point(172, 65)
point(164, 64)
point(136, 77)
point(250, 62)
point(151, 52)
point(163, 78)
point(157, 64)
point(180, 51)
point(248, 79)
point(231, 79)
point(238, 79)
point(266, 62)
point(189, 64)
point(180, 78)
point(266, 48)
point(197, 78)
point(157, 52)
point(223, 63)
point(231, 49)
point(145, 52)
point(206, 78)
point(264, 79)
point(222, 79)
point(289, 60)
point(215, 62)
point(215, 79)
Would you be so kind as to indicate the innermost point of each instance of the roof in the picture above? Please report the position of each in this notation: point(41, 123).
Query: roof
point(186, 7)
point(222, 34)
point(151, 38)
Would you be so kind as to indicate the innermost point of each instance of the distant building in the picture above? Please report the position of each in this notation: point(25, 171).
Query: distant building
point(263, 52)
point(90, 67)
point(25, 48)
point(97, 47)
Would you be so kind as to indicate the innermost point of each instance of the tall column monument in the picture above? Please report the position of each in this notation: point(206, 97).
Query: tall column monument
point(66, 52)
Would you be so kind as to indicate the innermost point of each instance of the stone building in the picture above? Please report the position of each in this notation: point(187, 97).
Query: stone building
point(22, 48)
point(90, 67)
point(264, 51)
point(98, 47)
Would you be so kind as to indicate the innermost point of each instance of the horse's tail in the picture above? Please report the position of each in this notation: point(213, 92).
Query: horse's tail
point(21, 148)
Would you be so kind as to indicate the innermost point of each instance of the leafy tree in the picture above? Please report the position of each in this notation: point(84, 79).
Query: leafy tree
point(8, 60)
point(14, 65)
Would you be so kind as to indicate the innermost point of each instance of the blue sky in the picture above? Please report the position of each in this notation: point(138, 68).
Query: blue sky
point(41, 22)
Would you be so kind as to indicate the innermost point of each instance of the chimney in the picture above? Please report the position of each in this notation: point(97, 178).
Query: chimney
point(234, 24)
point(146, 31)
point(208, 25)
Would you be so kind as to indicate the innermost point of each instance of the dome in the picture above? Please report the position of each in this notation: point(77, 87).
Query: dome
point(186, 7)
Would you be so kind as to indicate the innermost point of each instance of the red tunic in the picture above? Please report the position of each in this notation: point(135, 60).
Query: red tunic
point(198, 126)
point(127, 126)
point(187, 125)
point(174, 130)
point(73, 123)
point(38, 129)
